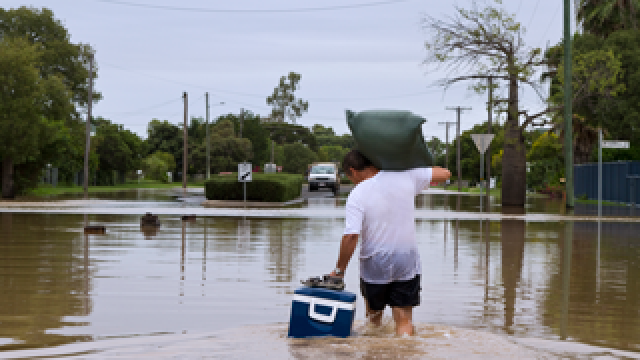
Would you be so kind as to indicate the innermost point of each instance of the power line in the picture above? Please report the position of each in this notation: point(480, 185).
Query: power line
point(152, 107)
point(552, 20)
point(533, 13)
point(458, 110)
point(218, 92)
point(180, 82)
point(375, 97)
point(253, 11)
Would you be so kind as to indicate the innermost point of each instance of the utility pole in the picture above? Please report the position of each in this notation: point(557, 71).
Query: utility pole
point(488, 152)
point(568, 111)
point(447, 124)
point(206, 97)
point(184, 143)
point(241, 121)
point(88, 129)
point(458, 110)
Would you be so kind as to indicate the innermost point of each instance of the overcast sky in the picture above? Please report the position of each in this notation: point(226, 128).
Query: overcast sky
point(358, 58)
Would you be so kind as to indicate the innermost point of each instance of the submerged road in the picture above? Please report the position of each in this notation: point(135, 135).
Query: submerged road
point(133, 208)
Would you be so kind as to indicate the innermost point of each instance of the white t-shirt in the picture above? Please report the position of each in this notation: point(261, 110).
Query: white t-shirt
point(381, 210)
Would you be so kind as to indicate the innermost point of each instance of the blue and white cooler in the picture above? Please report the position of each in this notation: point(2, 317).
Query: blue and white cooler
point(319, 312)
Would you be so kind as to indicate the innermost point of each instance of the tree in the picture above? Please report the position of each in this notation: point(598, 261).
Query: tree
point(291, 134)
point(24, 96)
point(197, 129)
point(227, 150)
point(253, 130)
point(285, 105)
point(119, 150)
point(59, 56)
point(603, 70)
point(546, 161)
point(319, 130)
point(603, 17)
point(166, 137)
point(437, 148)
point(469, 154)
point(488, 43)
point(54, 57)
point(332, 153)
point(156, 165)
point(326, 136)
point(297, 158)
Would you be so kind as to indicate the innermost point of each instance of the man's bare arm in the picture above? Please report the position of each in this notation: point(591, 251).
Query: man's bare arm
point(347, 247)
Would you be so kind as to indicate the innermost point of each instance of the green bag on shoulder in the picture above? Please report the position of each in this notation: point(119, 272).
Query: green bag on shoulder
point(391, 139)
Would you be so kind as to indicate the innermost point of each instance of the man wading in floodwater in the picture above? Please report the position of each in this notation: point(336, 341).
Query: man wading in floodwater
point(381, 209)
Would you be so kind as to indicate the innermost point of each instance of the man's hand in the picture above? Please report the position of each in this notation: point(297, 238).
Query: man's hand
point(439, 174)
point(347, 247)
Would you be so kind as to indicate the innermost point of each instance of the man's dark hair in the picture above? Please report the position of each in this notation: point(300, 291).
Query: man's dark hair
point(355, 159)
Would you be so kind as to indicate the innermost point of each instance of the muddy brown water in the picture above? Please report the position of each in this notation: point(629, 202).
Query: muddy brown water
point(222, 288)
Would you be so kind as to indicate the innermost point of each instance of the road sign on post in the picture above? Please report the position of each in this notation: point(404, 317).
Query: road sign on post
point(244, 176)
point(244, 172)
point(482, 143)
point(611, 144)
point(615, 144)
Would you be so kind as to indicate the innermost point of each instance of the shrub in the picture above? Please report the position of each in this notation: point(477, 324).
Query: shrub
point(263, 187)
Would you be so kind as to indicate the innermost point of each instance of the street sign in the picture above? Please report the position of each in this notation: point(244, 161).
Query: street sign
point(244, 172)
point(612, 144)
point(482, 141)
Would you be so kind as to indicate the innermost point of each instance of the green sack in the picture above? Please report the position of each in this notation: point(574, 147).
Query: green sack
point(391, 139)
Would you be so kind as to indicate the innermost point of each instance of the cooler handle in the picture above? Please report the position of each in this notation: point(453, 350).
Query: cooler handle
point(320, 317)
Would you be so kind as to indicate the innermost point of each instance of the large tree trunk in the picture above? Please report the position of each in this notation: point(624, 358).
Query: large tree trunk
point(514, 159)
point(8, 190)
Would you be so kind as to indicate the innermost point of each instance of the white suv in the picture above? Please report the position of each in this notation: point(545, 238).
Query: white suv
point(324, 175)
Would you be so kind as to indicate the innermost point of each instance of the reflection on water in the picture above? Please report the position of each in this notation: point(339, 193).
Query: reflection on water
point(511, 259)
point(44, 279)
point(482, 279)
point(471, 203)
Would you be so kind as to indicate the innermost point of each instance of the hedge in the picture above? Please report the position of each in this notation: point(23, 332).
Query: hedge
point(263, 187)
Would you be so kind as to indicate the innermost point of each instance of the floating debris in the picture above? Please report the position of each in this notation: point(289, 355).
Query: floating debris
point(188, 218)
point(149, 220)
point(95, 229)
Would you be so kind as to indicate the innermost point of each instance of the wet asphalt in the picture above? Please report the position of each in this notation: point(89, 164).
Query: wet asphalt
point(323, 193)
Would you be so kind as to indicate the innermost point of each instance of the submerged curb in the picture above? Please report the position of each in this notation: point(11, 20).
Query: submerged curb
point(252, 204)
point(302, 213)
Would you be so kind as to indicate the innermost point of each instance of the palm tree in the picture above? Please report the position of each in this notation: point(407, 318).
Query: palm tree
point(602, 17)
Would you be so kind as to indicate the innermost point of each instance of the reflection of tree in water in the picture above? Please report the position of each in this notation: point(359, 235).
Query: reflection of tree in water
point(284, 248)
point(234, 238)
point(42, 277)
point(503, 288)
point(603, 302)
point(512, 239)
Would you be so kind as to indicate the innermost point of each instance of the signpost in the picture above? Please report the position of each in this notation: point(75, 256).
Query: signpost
point(482, 142)
point(244, 176)
point(609, 144)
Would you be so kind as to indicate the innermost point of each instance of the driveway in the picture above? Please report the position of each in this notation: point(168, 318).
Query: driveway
point(323, 193)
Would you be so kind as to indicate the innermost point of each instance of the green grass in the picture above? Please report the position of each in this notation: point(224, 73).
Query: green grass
point(47, 190)
point(595, 202)
point(472, 190)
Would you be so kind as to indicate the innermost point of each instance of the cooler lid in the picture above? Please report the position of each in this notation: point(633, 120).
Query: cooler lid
point(343, 296)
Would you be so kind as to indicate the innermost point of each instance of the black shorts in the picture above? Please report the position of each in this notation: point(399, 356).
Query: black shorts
point(396, 293)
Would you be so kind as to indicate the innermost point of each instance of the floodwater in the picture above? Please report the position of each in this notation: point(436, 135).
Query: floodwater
point(221, 287)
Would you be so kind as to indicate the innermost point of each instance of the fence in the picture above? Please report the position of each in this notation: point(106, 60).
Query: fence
point(620, 181)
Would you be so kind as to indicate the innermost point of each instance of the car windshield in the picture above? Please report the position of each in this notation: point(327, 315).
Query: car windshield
point(322, 170)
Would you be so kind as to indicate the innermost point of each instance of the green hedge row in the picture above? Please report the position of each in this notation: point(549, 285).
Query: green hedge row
point(263, 187)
